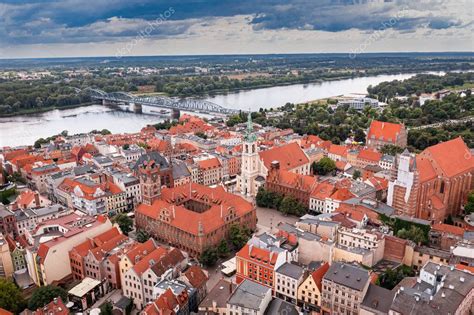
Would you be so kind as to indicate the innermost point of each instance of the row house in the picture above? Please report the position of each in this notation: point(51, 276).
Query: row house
point(161, 263)
point(39, 175)
point(321, 192)
point(259, 264)
point(310, 290)
point(130, 184)
point(48, 258)
point(28, 219)
point(210, 172)
point(93, 198)
point(288, 278)
point(28, 199)
point(8, 225)
point(343, 289)
point(98, 258)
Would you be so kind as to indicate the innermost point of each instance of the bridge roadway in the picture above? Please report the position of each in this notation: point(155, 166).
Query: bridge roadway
point(187, 104)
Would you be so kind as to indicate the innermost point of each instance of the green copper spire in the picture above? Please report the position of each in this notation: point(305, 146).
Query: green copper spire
point(249, 135)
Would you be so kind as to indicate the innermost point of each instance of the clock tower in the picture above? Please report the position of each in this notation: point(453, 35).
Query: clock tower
point(150, 181)
point(250, 160)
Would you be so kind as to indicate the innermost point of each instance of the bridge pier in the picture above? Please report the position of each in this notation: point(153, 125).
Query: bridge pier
point(137, 108)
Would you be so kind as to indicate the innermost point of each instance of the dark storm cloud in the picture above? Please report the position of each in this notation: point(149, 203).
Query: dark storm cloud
point(71, 21)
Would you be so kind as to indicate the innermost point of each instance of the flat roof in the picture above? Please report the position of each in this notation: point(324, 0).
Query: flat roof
point(86, 285)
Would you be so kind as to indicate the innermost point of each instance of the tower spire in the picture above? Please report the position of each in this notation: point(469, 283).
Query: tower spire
point(249, 135)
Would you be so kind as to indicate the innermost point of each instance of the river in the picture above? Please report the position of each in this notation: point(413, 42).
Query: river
point(26, 129)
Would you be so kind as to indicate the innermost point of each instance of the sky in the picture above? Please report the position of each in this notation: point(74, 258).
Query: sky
point(69, 28)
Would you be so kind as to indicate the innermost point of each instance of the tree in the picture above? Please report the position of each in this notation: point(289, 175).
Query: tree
point(290, 205)
point(223, 249)
point(359, 135)
point(142, 236)
point(469, 207)
point(10, 297)
point(238, 236)
point(209, 257)
point(106, 308)
point(391, 149)
point(324, 166)
point(126, 146)
point(105, 132)
point(414, 233)
point(390, 278)
point(44, 295)
point(124, 222)
point(356, 175)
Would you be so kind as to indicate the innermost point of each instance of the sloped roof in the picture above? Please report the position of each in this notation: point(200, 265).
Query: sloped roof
point(290, 156)
point(384, 131)
point(452, 157)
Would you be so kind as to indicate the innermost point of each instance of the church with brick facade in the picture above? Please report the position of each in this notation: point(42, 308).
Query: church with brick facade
point(433, 184)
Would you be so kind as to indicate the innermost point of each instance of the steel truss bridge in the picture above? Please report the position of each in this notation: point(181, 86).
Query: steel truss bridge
point(186, 104)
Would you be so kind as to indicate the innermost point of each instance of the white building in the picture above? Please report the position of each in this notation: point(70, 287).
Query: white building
point(288, 278)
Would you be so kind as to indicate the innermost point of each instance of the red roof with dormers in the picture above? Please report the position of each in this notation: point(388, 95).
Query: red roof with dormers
point(290, 156)
point(384, 131)
point(257, 254)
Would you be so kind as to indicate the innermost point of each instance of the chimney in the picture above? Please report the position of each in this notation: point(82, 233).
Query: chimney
point(275, 165)
point(37, 200)
point(15, 206)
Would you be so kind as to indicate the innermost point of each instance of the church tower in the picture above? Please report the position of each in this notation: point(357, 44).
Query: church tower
point(150, 181)
point(250, 161)
point(404, 185)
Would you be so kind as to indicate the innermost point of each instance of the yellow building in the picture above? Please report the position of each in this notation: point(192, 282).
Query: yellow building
point(309, 291)
point(6, 264)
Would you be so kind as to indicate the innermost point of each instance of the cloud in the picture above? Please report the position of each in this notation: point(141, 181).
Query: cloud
point(36, 22)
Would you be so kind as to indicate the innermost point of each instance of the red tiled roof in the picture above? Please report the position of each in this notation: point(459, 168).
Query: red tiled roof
point(369, 155)
point(254, 253)
point(339, 150)
point(446, 228)
point(209, 163)
point(318, 275)
point(290, 156)
point(141, 249)
point(323, 190)
point(342, 194)
point(196, 276)
point(305, 182)
point(452, 157)
point(220, 201)
point(384, 131)
point(147, 261)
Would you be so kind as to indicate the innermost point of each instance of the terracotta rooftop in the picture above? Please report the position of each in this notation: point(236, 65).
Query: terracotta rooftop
point(384, 131)
point(290, 156)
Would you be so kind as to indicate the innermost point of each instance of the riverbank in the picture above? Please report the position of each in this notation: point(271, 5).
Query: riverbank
point(33, 111)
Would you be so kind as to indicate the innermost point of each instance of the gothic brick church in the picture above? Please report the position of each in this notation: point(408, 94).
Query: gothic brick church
point(433, 184)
